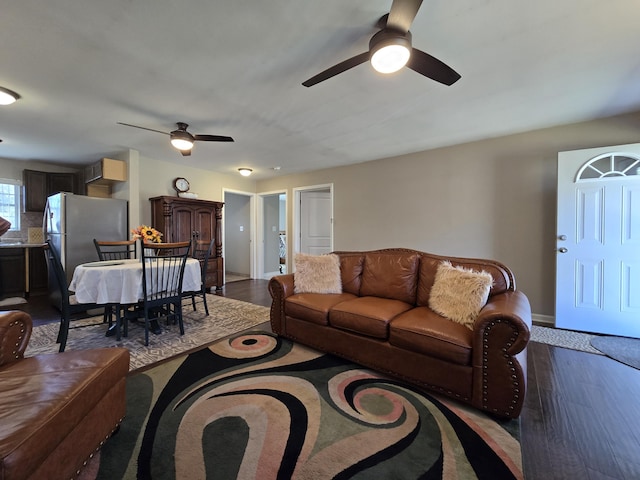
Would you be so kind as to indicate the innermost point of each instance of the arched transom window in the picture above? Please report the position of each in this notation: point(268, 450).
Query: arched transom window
point(610, 165)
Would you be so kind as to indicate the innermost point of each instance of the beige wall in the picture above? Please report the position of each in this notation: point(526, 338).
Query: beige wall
point(156, 178)
point(492, 199)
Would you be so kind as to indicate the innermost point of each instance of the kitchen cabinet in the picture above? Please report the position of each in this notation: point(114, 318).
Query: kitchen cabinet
point(106, 170)
point(23, 270)
point(37, 280)
point(100, 176)
point(12, 272)
point(35, 190)
point(39, 185)
point(186, 219)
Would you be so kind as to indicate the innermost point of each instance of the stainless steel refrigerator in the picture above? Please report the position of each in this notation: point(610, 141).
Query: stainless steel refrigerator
point(71, 222)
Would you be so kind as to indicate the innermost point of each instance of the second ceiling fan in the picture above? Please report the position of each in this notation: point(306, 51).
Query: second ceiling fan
point(390, 49)
point(181, 139)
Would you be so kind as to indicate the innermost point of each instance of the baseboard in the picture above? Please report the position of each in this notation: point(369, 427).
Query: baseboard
point(545, 320)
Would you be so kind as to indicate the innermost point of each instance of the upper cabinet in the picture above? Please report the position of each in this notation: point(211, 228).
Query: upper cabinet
point(106, 170)
point(100, 176)
point(39, 185)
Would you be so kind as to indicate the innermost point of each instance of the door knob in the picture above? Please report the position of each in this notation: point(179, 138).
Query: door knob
point(562, 237)
point(563, 250)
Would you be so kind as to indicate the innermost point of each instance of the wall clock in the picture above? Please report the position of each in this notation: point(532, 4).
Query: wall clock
point(181, 185)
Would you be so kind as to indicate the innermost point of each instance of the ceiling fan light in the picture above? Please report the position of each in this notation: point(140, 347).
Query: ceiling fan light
point(390, 58)
point(389, 51)
point(7, 97)
point(245, 172)
point(181, 140)
point(182, 144)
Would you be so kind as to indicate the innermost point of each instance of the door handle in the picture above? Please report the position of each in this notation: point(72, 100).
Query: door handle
point(563, 250)
point(562, 237)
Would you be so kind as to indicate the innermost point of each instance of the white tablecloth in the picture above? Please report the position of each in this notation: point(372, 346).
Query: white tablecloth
point(122, 283)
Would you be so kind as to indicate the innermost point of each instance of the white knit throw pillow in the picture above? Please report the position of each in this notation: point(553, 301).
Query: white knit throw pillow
point(317, 274)
point(459, 293)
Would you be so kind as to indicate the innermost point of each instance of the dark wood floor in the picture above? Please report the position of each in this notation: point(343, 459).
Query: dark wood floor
point(581, 418)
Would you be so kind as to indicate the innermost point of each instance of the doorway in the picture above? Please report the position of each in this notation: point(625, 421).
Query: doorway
point(272, 229)
point(598, 240)
point(238, 235)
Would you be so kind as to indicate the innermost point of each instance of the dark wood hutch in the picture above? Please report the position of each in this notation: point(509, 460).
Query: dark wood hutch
point(185, 219)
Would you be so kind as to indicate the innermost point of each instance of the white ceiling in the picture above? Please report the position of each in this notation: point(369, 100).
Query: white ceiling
point(235, 67)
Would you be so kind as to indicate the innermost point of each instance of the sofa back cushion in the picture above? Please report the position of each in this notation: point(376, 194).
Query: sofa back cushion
point(390, 275)
point(502, 277)
point(351, 272)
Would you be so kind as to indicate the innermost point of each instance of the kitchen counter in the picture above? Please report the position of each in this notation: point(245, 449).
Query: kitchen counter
point(19, 244)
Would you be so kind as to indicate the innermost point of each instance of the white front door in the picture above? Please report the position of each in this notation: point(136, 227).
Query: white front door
point(598, 240)
point(315, 222)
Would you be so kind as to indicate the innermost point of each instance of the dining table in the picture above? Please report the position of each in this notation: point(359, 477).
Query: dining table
point(119, 283)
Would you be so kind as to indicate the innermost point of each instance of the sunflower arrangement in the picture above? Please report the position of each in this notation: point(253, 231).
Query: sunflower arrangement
point(147, 234)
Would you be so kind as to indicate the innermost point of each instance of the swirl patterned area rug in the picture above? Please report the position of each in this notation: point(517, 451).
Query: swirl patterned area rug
point(255, 406)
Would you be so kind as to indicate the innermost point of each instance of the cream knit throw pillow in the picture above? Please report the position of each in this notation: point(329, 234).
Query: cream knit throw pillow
point(459, 293)
point(317, 274)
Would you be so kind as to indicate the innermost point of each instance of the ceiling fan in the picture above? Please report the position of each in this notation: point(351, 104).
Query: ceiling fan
point(182, 139)
point(390, 49)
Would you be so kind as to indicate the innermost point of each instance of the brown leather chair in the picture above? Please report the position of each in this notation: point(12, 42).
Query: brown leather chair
point(57, 409)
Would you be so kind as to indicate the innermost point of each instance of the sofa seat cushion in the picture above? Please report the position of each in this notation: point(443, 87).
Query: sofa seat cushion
point(314, 307)
point(46, 396)
point(423, 331)
point(368, 316)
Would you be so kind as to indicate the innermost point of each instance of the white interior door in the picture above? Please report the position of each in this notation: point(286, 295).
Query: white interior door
point(598, 240)
point(315, 222)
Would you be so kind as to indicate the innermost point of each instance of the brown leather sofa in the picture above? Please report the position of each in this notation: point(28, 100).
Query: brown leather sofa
point(382, 320)
point(55, 410)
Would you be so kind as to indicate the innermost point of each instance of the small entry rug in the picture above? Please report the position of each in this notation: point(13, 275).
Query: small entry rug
point(255, 406)
point(563, 338)
point(623, 349)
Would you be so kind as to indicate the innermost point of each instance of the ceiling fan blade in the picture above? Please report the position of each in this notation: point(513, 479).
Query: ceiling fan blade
point(143, 128)
point(213, 138)
point(431, 67)
point(336, 69)
point(402, 14)
point(185, 153)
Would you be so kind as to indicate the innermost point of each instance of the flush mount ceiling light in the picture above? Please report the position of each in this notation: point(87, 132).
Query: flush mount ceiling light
point(389, 51)
point(7, 97)
point(245, 172)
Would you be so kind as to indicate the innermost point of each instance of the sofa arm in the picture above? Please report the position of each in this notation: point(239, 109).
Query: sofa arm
point(280, 287)
point(500, 337)
point(15, 331)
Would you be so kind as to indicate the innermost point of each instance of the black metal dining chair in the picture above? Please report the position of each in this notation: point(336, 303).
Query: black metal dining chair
point(69, 308)
point(115, 250)
point(162, 273)
point(201, 251)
